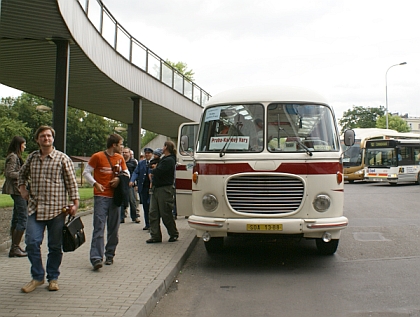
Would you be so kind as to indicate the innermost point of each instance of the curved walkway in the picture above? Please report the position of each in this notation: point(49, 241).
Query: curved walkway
point(107, 67)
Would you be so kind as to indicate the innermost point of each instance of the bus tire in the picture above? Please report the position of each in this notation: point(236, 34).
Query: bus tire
point(214, 245)
point(351, 181)
point(326, 248)
point(418, 179)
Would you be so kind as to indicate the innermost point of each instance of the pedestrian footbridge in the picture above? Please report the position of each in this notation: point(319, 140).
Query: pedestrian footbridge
point(75, 52)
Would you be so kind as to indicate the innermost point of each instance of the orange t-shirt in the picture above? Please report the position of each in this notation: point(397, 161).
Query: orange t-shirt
point(103, 173)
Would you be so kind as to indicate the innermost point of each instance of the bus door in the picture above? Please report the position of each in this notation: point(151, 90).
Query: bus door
point(186, 143)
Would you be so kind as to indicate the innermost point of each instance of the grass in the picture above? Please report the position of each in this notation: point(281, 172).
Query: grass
point(85, 194)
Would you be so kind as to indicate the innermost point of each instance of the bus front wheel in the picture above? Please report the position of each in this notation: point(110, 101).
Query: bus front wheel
point(418, 179)
point(326, 248)
point(214, 245)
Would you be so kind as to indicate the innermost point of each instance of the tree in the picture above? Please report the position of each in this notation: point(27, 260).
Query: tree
point(147, 137)
point(360, 117)
point(394, 123)
point(182, 68)
point(86, 132)
point(9, 127)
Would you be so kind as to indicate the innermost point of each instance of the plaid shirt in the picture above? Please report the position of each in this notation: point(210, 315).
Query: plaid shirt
point(51, 179)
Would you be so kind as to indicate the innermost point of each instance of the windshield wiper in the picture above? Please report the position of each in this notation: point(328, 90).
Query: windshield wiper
point(297, 138)
point(237, 127)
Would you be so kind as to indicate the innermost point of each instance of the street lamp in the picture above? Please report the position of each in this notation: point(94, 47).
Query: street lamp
point(386, 90)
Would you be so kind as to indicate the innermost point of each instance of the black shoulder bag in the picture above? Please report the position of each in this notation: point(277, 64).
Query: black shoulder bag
point(73, 234)
point(121, 191)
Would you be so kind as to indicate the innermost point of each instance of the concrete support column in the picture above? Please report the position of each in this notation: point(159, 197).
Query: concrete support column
point(61, 93)
point(135, 130)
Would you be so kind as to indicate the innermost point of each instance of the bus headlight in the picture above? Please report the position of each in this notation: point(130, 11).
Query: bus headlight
point(321, 202)
point(210, 202)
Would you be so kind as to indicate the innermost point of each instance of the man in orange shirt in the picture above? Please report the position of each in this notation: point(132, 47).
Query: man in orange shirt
point(104, 165)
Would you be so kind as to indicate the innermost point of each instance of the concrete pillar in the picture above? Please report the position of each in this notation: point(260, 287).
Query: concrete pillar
point(61, 93)
point(135, 129)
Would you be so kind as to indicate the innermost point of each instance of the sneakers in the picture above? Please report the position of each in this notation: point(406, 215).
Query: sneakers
point(109, 261)
point(137, 220)
point(31, 286)
point(97, 265)
point(53, 286)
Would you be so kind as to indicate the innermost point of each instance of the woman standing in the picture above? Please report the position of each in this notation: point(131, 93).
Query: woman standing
point(20, 210)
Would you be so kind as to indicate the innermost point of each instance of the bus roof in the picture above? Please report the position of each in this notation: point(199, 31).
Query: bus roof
point(398, 141)
point(367, 133)
point(266, 94)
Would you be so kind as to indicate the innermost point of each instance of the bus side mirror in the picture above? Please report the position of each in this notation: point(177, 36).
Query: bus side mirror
point(349, 137)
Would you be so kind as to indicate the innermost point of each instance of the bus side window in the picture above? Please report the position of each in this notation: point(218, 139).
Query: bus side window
point(417, 157)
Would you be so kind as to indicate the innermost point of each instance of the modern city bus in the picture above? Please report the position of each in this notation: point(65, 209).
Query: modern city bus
point(393, 161)
point(266, 162)
point(354, 156)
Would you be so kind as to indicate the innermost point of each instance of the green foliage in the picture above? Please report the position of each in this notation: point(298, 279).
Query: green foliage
point(10, 125)
point(85, 194)
point(182, 68)
point(147, 137)
point(86, 132)
point(360, 117)
point(394, 123)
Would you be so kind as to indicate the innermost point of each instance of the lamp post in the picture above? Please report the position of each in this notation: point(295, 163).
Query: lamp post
point(386, 90)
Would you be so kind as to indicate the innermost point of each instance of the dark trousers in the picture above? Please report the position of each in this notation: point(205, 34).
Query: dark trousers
point(145, 201)
point(161, 206)
point(132, 204)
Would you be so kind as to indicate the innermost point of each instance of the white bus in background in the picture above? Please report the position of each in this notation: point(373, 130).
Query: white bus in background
point(267, 162)
point(354, 156)
point(393, 161)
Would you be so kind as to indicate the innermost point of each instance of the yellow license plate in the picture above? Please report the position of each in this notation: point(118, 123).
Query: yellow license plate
point(264, 227)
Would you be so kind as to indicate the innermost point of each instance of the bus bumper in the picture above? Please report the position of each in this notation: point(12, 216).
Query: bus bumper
point(310, 228)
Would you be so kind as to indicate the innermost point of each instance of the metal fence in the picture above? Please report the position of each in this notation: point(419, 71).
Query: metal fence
point(138, 54)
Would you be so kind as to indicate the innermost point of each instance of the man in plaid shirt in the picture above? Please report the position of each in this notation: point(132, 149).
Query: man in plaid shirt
point(52, 183)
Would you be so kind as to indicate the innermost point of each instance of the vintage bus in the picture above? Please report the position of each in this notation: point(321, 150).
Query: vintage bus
point(265, 161)
point(354, 156)
point(393, 161)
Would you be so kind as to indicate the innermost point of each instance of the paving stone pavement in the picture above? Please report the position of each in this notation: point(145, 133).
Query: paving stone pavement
point(139, 277)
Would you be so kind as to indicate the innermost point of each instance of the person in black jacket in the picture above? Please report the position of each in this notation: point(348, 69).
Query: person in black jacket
point(162, 197)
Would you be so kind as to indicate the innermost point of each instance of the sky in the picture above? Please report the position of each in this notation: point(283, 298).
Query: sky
point(339, 48)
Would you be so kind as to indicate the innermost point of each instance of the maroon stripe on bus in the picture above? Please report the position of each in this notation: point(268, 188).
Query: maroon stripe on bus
point(291, 168)
point(181, 167)
point(182, 183)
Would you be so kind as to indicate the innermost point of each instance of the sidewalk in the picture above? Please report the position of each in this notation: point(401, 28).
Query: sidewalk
point(139, 277)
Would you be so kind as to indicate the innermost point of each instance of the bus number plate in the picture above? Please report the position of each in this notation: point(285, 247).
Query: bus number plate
point(264, 227)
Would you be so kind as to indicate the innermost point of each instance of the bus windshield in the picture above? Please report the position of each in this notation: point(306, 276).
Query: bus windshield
point(286, 127)
point(352, 156)
point(381, 157)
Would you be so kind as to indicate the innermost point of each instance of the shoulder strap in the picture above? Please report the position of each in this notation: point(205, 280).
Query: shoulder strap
point(107, 156)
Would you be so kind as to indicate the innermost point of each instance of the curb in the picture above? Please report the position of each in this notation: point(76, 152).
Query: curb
point(147, 301)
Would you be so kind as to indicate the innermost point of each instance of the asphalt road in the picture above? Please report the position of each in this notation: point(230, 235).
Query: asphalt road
point(375, 272)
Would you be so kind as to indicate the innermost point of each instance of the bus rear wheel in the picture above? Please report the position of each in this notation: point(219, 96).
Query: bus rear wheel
point(418, 179)
point(214, 245)
point(326, 248)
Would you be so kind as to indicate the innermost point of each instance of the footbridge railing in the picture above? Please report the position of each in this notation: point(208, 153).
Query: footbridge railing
point(138, 54)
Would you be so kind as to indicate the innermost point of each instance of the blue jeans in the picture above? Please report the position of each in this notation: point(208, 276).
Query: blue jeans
point(104, 211)
point(20, 213)
point(33, 239)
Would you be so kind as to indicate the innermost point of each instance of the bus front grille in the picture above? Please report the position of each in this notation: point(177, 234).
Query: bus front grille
point(265, 194)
